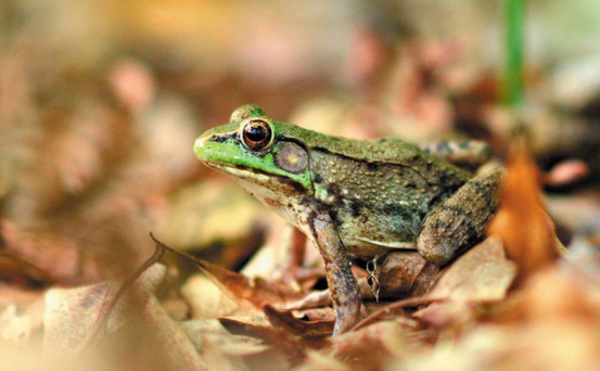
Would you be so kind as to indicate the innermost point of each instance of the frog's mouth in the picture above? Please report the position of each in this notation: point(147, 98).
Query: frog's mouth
point(269, 180)
point(242, 172)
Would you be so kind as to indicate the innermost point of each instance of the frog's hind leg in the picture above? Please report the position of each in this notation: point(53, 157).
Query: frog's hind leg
point(458, 222)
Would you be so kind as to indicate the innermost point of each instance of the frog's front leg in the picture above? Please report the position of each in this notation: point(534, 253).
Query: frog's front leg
point(458, 222)
point(343, 286)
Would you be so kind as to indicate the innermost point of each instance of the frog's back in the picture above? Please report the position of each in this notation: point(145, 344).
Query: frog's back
point(378, 191)
point(389, 151)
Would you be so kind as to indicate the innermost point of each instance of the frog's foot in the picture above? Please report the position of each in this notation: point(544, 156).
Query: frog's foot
point(459, 221)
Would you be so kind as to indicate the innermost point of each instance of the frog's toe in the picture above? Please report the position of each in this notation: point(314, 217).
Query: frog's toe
point(435, 251)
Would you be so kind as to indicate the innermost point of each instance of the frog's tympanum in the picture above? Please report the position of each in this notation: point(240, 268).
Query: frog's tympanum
point(351, 197)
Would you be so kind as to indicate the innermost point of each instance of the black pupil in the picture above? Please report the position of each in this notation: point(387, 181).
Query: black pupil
point(256, 133)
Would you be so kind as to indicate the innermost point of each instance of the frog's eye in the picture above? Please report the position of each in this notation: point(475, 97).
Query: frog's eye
point(256, 134)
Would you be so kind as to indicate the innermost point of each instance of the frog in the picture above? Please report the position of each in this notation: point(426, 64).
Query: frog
point(355, 199)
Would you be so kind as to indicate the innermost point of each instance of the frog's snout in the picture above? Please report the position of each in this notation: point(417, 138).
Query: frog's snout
point(199, 143)
point(199, 146)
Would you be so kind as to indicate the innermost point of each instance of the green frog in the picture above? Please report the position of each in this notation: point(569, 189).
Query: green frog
point(364, 198)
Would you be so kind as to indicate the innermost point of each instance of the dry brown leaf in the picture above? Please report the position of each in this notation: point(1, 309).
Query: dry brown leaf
point(555, 295)
point(255, 289)
point(548, 346)
point(135, 334)
point(481, 275)
point(285, 349)
point(204, 333)
point(70, 137)
point(547, 338)
point(206, 299)
point(521, 222)
point(372, 347)
point(316, 314)
point(21, 273)
point(71, 314)
point(45, 256)
point(286, 320)
point(551, 322)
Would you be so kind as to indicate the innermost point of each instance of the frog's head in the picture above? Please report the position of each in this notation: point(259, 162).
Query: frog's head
point(256, 151)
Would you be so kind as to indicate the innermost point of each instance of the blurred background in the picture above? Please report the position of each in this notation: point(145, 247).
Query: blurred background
point(101, 100)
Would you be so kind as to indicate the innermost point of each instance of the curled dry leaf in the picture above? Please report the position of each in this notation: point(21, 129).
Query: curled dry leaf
point(525, 229)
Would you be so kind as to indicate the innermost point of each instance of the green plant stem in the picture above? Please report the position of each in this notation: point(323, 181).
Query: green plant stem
point(514, 14)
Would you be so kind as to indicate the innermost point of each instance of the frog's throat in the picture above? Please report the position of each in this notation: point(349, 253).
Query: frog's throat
point(256, 176)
